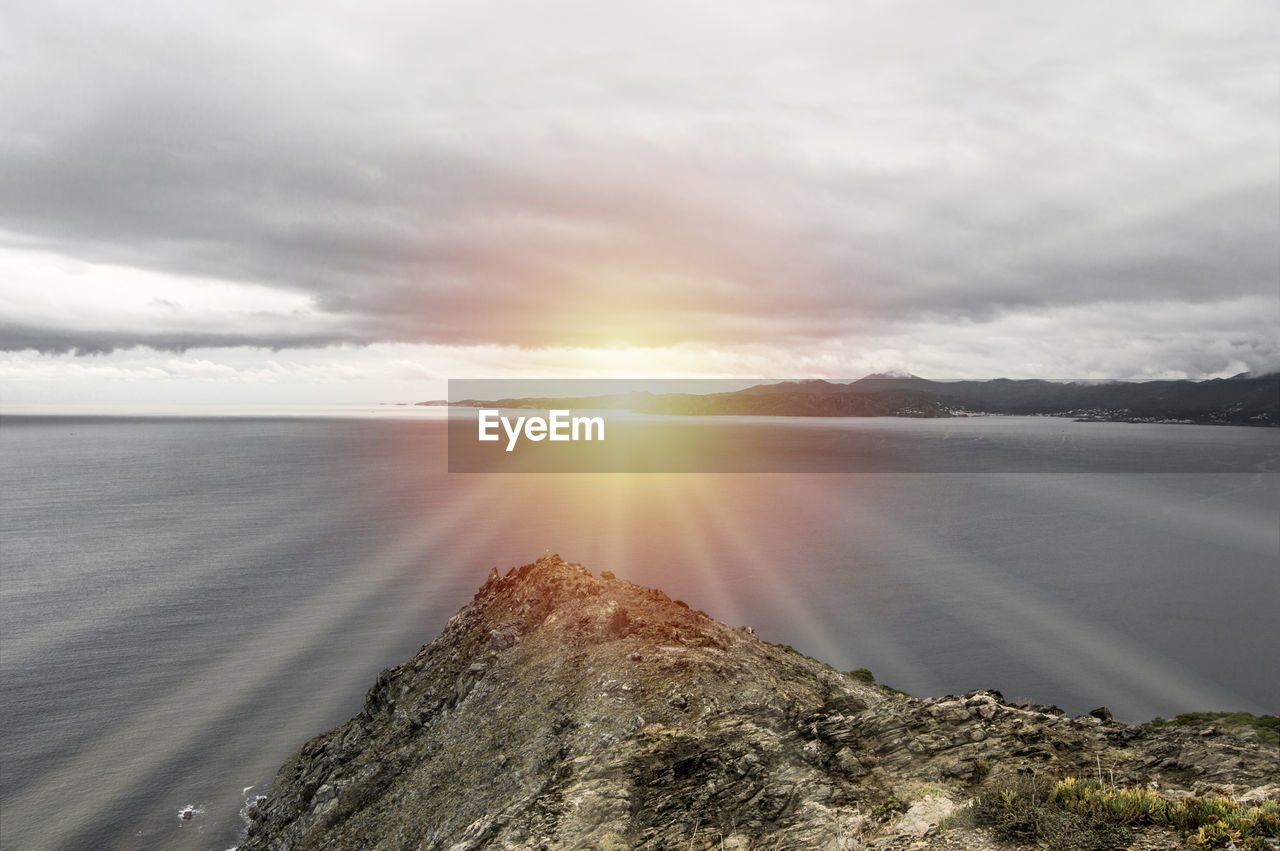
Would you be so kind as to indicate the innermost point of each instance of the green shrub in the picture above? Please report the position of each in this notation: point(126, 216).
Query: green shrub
point(1084, 814)
point(890, 807)
point(1266, 726)
point(1029, 814)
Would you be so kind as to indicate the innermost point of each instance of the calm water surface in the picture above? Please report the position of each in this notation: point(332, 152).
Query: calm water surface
point(184, 602)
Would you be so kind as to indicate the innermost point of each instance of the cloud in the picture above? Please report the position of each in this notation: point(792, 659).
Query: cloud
point(69, 306)
point(571, 176)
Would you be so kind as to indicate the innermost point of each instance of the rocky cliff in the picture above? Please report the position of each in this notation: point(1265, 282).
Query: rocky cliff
point(564, 710)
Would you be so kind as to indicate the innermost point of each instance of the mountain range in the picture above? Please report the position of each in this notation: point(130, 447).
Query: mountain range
point(1243, 399)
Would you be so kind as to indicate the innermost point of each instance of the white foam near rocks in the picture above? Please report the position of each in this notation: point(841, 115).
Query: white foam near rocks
point(249, 802)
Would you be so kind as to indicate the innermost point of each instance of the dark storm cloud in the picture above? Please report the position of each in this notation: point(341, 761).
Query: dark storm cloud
point(53, 341)
point(500, 173)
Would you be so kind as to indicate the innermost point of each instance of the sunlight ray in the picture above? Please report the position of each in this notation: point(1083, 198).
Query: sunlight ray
point(690, 501)
point(765, 573)
point(289, 637)
point(1073, 650)
point(52, 638)
point(999, 607)
point(840, 509)
point(618, 519)
point(1250, 527)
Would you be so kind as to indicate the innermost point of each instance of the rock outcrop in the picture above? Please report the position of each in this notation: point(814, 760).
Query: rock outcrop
point(563, 710)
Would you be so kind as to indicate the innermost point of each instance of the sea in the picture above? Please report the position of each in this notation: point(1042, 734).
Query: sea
point(186, 600)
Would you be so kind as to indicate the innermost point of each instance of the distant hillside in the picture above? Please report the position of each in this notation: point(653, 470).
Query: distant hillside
point(1240, 400)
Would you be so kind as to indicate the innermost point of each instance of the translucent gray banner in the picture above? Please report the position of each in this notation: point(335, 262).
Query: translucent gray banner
point(875, 425)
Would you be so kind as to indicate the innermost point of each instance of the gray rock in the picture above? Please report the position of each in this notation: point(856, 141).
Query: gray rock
point(849, 764)
point(561, 710)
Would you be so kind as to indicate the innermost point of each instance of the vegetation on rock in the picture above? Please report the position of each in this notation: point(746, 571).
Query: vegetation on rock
point(1266, 726)
point(1085, 814)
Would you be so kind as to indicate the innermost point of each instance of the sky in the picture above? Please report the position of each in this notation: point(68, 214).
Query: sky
point(353, 202)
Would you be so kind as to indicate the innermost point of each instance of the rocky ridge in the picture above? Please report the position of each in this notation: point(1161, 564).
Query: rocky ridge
point(563, 710)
